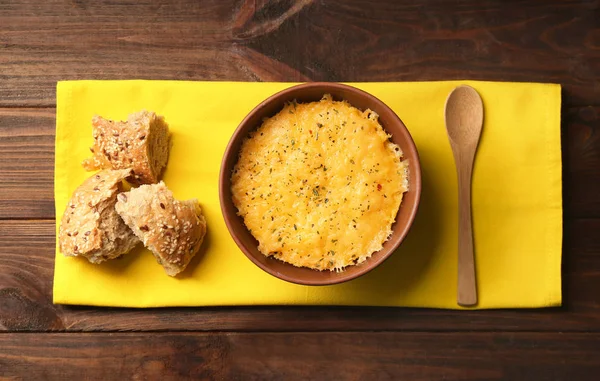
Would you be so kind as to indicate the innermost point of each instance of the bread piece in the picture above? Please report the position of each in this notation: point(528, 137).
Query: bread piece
point(173, 230)
point(90, 227)
point(141, 143)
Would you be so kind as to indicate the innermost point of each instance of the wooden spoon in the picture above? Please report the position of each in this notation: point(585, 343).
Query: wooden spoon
point(464, 120)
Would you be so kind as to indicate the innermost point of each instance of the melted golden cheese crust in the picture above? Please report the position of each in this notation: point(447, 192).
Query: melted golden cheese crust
point(319, 184)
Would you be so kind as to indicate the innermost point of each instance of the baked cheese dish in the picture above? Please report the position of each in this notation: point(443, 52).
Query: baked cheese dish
point(319, 184)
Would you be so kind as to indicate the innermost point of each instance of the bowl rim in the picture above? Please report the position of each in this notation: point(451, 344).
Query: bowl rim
point(414, 170)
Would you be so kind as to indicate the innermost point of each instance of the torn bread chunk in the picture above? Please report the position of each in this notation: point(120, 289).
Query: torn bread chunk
point(90, 227)
point(140, 143)
point(173, 230)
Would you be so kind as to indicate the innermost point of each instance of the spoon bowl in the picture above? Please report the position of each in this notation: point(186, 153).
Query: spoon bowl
point(464, 115)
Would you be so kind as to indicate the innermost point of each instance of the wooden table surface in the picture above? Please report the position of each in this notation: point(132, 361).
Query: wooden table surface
point(42, 42)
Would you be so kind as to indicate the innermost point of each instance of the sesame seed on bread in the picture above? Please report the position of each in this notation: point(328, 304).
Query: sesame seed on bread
point(90, 227)
point(173, 230)
point(140, 143)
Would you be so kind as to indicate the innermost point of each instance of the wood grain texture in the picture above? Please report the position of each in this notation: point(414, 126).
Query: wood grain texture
point(42, 43)
point(26, 269)
point(581, 160)
point(544, 41)
point(301, 356)
point(285, 40)
point(27, 162)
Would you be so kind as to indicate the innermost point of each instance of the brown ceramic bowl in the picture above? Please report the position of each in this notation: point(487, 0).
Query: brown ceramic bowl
point(310, 92)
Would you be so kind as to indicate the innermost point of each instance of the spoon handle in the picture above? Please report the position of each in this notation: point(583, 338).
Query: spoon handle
point(467, 288)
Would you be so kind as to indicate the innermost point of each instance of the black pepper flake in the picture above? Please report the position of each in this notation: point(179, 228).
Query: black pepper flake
point(144, 228)
point(295, 228)
point(162, 205)
point(142, 137)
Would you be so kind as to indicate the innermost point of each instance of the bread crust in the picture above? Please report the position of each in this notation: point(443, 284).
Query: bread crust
point(90, 227)
point(173, 230)
point(140, 143)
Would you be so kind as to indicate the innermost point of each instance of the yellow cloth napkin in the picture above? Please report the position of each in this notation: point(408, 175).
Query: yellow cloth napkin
point(517, 201)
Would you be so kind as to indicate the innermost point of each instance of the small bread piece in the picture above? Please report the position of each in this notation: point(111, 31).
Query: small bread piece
point(173, 230)
point(141, 143)
point(90, 226)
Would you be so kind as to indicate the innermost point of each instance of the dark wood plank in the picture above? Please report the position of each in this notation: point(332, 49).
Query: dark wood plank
point(301, 356)
point(27, 162)
point(528, 41)
point(249, 40)
point(581, 162)
point(531, 40)
point(42, 43)
point(26, 270)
